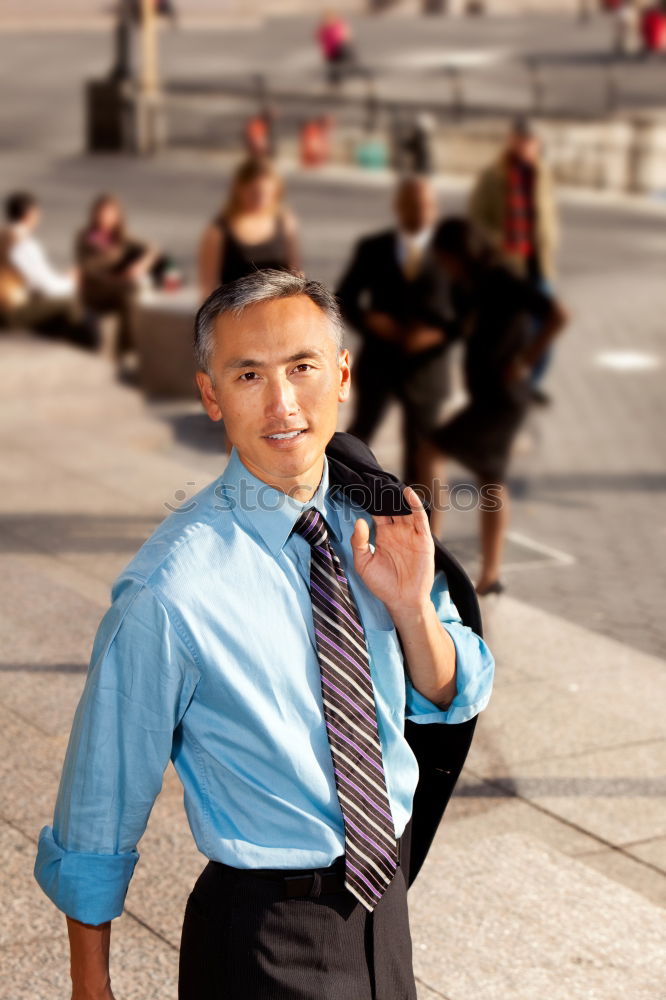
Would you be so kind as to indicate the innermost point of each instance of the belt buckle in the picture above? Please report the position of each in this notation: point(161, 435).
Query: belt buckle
point(291, 882)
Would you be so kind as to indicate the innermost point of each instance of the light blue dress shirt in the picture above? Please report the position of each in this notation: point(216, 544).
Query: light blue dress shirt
point(207, 657)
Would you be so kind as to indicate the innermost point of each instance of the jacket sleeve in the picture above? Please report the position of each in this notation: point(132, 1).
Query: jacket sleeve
point(475, 667)
point(139, 682)
point(549, 209)
point(485, 205)
point(351, 287)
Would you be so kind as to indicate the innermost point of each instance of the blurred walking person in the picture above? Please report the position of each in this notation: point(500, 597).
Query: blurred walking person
point(33, 294)
point(113, 266)
point(513, 201)
point(393, 294)
point(260, 133)
point(255, 230)
point(494, 309)
point(413, 145)
point(334, 37)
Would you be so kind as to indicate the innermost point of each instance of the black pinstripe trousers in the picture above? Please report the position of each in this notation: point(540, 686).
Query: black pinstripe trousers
point(242, 939)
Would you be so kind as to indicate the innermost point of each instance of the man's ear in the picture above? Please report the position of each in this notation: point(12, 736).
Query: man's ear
point(344, 365)
point(210, 403)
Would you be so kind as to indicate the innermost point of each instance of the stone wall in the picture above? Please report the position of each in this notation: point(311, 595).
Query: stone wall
point(623, 154)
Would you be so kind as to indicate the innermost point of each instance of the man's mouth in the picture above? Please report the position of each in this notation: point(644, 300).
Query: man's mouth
point(285, 435)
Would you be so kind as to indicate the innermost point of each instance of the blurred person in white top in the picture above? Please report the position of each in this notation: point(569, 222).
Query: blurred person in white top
point(34, 294)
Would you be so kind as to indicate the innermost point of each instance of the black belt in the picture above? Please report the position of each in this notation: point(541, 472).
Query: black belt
point(298, 883)
point(304, 885)
point(295, 882)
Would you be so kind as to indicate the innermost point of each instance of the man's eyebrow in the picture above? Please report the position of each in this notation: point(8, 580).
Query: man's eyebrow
point(308, 352)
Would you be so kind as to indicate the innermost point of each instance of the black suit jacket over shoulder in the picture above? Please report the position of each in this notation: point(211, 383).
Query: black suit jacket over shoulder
point(440, 748)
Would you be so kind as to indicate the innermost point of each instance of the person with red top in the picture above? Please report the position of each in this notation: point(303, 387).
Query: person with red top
point(335, 41)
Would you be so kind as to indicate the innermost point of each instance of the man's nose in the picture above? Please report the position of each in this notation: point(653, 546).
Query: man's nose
point(281, 400)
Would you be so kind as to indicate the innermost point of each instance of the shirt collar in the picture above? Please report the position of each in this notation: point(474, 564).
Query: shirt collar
point(420, 239)
point(268, 511)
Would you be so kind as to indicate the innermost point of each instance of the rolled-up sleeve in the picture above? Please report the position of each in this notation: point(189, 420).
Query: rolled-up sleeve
point(140, 679)
point(475, 667)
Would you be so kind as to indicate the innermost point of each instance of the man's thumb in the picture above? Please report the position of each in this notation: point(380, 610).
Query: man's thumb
point(360, 538)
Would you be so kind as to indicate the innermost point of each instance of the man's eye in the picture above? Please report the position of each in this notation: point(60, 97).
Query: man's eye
point(248, 376)
point(303, 366)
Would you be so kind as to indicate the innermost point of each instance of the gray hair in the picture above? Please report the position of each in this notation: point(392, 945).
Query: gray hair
point(260, 286)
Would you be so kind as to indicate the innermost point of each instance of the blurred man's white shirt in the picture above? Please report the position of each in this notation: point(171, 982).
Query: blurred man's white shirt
point(29, 258)
point(411, 247)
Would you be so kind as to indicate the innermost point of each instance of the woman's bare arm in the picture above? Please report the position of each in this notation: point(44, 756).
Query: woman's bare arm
point(211, 249)
point(293, 242)
point(89, 946)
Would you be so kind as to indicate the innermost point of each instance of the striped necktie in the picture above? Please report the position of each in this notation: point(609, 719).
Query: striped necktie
point(371, 857)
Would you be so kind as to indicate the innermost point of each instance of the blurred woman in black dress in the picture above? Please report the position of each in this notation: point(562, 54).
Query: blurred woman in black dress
point(254, 231)
point(495, 309)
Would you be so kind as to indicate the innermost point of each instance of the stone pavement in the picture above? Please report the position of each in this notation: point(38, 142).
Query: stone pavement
point(547, 877)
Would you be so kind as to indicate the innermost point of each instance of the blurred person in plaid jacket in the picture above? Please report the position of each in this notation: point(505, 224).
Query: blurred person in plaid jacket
point(513, 202)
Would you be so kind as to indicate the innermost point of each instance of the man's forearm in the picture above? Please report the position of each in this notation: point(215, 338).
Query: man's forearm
point(430, 654)
point(89, 946)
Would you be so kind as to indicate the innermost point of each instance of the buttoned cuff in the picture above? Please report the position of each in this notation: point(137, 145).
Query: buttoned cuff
point(86, 886)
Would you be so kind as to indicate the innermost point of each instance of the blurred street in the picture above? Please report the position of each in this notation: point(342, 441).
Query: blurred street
point(411, 58)
point(548, 875)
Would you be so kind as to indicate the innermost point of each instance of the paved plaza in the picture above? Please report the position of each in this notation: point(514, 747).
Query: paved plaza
point(548, 875)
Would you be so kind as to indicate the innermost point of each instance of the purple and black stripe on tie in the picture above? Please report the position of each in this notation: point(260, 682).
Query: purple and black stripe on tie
point(371, 857)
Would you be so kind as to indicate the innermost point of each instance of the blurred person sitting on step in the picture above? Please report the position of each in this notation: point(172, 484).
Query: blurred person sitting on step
point(396, 298)
point(33, 294)
point(114, 265)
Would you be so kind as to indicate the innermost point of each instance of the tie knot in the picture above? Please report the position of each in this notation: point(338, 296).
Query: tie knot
point(312, 526)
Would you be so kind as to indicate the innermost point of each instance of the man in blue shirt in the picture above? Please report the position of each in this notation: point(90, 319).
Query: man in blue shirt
point(270, 638)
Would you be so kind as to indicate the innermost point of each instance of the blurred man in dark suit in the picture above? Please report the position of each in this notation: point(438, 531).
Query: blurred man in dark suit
point(394, 296)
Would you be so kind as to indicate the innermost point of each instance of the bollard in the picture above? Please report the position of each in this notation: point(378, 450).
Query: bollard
point(537, 85)
point(457, 92)
point(612, 88)
point(372, 105)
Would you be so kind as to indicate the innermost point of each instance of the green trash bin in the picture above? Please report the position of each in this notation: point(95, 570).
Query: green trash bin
point(371, 154)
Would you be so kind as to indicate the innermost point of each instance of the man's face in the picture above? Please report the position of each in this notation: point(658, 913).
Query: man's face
point(32, 218)
point(415, 206)
point(276, 371)
point(525, 148)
